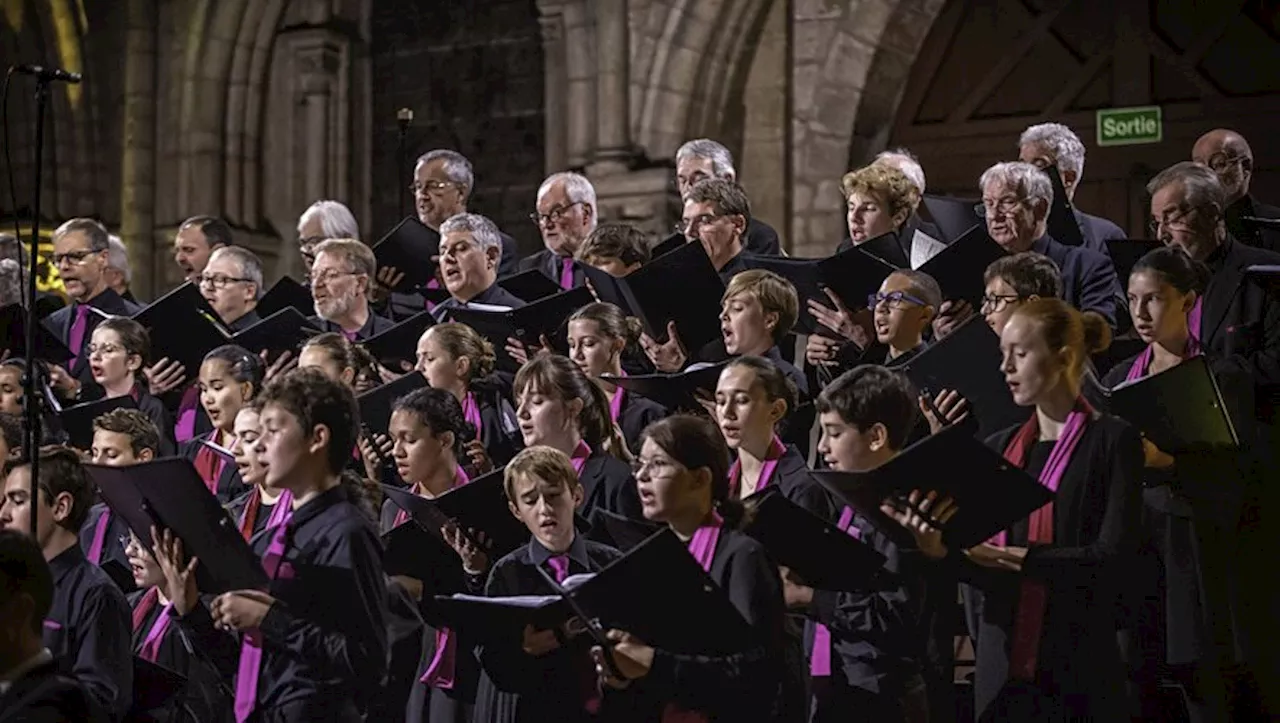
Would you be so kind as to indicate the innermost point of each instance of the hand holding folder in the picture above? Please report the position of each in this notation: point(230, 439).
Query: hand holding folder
point(409, 248)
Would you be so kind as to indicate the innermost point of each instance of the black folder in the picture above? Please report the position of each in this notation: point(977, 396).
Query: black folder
point(960, 266)
point(13, 336)
point(954, 217)
point(659, 593)
point(411, 551)
point(400, 342)
point(286, 293)
point(375, 404)
point(169, 494)
point(823, 555)
point(77, 421)
point(967, 361)
point(887, 247)
point(480, 505)
point(155, 688)
point(1062, 224)
point(1125, 254)
point(527, 323)
point(409, 248)
point(183, 327)
point(495, 618)
point(620, 532)
point(990, 493)
point(675, 392)
point(529, 285)
point(667, 245)
point(1180, 409)
point(680, 286)
point(852, 275)
point(285, 330)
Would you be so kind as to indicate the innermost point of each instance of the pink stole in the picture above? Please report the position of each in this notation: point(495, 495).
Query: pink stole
point(771, 457)
point(151, 644)
point(188, 408)
point(209, 463)
point(1139, 368)
point(471, 413)
point(251, 648)
point(703, 548)
point(820, 658)
point(566, 273)
point(1028, 622)
point(615, 404)
point(579, 457)
point(1195, 320)
point(99, 536)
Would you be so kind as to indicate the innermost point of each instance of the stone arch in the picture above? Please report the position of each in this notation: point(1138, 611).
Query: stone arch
point(846, 99)
point(700, 53)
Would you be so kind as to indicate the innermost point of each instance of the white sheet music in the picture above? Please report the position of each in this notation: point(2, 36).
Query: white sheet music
point(487, 307)
point(923, 248)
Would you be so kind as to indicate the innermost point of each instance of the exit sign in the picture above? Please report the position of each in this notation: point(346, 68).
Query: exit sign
point(1129, 126)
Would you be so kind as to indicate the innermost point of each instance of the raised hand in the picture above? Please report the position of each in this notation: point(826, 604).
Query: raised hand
point(928, 536)
point(165, 375)
point(669, 356)
point(179, 577)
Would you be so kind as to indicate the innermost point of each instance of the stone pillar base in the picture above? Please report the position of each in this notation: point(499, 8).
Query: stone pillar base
point(646, 199)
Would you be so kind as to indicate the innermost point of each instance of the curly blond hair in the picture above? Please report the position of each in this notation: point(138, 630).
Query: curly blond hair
point(884, 182)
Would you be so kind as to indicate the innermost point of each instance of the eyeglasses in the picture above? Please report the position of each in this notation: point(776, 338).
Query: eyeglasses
point(329, 276)
point(103, 349)
point(1221, 162)
point(74, 257)
point(654, 468)
point(687, 228)
point(554, 216)
point(996, 303)
point(1180, 218)
point(432, 186)
point(1003, 206)
point(220, 281)
point(894, 300)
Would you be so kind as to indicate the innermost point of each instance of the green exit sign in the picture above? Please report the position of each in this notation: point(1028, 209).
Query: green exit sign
point(1129, 126)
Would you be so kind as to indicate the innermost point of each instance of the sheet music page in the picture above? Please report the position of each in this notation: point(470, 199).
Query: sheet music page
point(923, 248)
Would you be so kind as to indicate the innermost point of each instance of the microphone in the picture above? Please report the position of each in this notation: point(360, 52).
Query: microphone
point(46, 74)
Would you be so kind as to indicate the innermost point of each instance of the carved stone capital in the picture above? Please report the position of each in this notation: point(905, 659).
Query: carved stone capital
point(318, 65)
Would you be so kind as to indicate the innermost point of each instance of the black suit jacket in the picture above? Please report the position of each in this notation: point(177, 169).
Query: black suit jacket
point(60, 321)
point(44, 695)
point(548, 262)
point(1097, 231)
point(510, 262)
point(1089, 280)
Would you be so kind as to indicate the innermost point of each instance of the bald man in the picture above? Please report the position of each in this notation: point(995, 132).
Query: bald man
point(1230, 157)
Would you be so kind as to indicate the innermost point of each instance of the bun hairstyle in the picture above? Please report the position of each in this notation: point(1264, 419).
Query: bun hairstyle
point(440, 412)
point(776, 384)
point(460, 340)
point(611, 321)
point(696, 443)
point(242, 365)
point(558, 377)
point(1174, 267)
point(1063, 327)
point(133, 337)
point(336, 347)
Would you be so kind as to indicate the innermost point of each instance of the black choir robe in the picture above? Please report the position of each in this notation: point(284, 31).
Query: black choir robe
point(549, 263)
point(878, 636)
point(499, 430)
point(607, 482)
point(791, 477)
point(1096, 530)
point(636, 413)
point(230, 486)
point(207, 697)
point(324, 651)
point(60, 323)
point(112, 550)
point(495, 295)
point(517, 687)
point(373, 326)
point(761, 684)
point(426, 704)
point(87, 630)
point(236, 508)
point(42, 694)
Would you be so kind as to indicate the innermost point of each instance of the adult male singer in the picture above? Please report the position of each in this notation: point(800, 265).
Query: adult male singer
point(1053, 144)
point(196, 239)
point(442, 184)
point(566, 213)
point(1228, 154)
point(340, 282)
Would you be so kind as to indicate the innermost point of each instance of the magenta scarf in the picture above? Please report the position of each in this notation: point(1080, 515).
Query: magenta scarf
point(703, 548)
point(1033, 594)
point(771, 457)
point(820, 659)
point(251, 648)
point(1140, 365)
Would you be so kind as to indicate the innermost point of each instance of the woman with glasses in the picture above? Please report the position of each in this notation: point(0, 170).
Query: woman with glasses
point(118, 353)
point(684, 483)
point(158, 639)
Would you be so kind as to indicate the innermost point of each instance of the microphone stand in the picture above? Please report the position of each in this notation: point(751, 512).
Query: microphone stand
point(31, 410)
point(404, 117)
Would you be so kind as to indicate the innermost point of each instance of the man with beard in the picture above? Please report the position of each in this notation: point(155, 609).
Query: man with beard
point(340, 282)
point(1229, 156)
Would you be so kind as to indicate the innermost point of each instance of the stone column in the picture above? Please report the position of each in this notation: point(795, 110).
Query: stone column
point(613, 87)
point(138, 152)
point(551, 19)
point(318, 65)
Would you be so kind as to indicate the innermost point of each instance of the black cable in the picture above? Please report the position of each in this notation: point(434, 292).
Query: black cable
point(8, 164)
